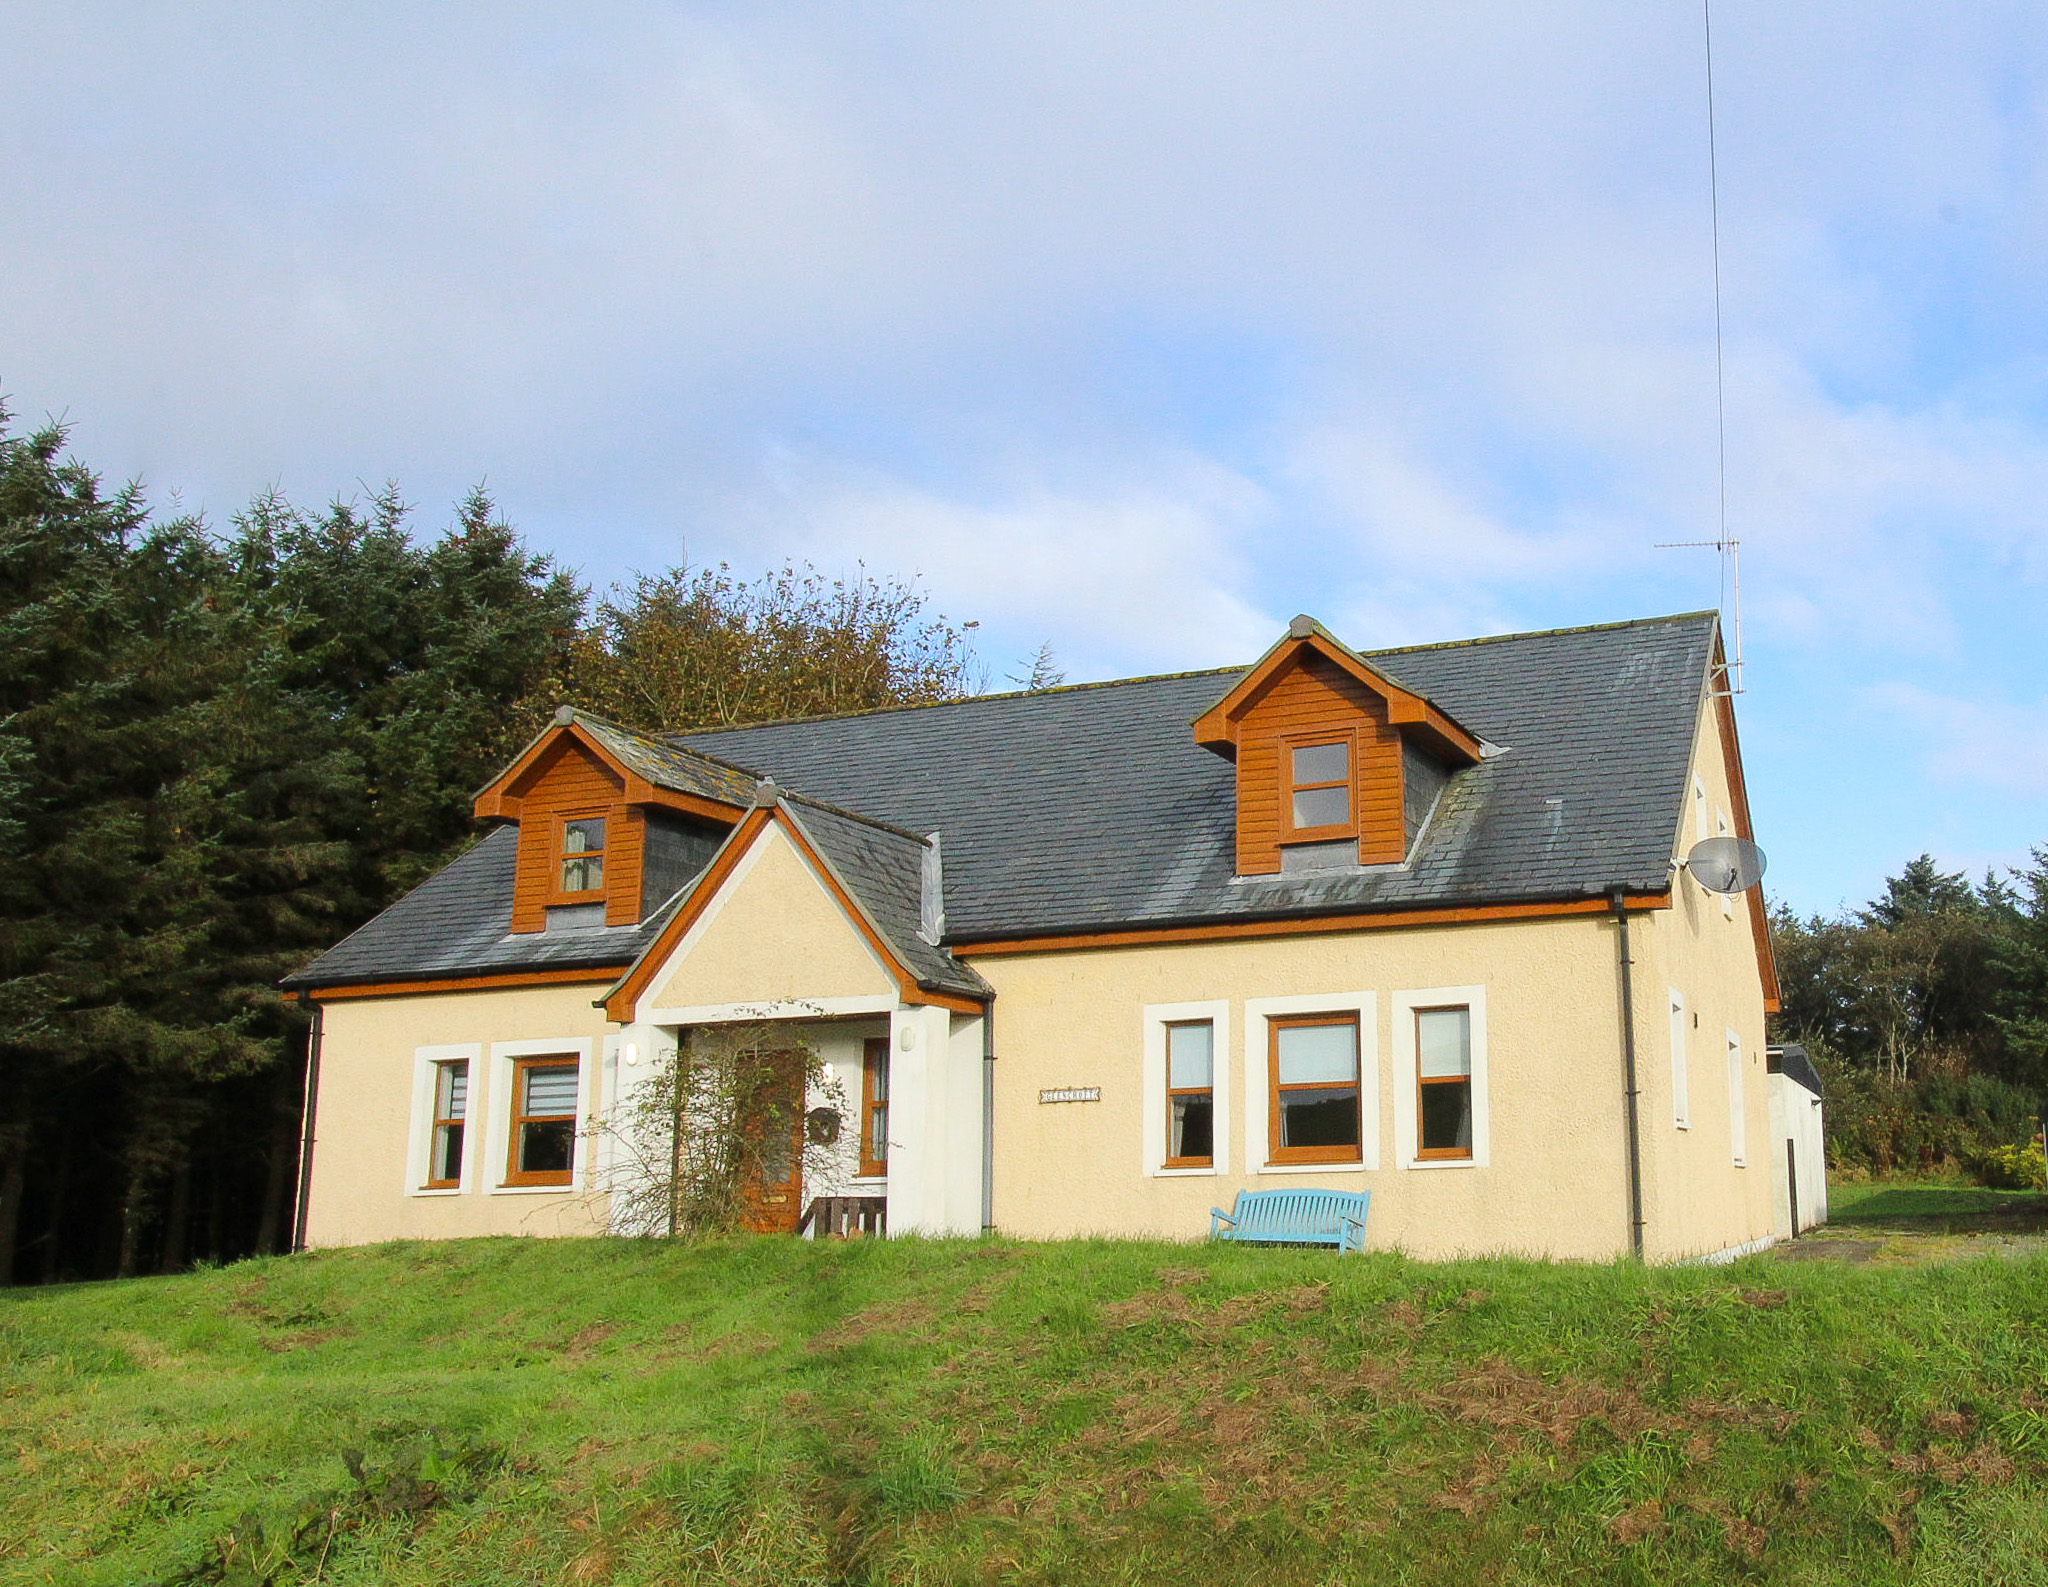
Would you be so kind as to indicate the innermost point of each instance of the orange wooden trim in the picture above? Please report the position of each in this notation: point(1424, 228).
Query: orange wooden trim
point(514, 1175)
point(1738, 795)
point(464, 983)
point(920, 996)
point(874, 1063)
point(1276, 1154)
point(619, 1004)
point(496, 803)
point(1235, 930)
point(1217, 727)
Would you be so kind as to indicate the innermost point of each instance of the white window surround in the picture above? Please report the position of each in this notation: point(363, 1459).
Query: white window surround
point(1699, 811)
point(1407, 1137)
point(1681, 1078)
point(1258, 1011)
point(1152, 1137)
point(1738, 1122)
point(1727, 899)
point(426, 1064)
point(498, 1099)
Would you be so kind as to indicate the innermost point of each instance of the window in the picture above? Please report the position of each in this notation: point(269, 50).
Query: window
point(1443, 1118)
point(1727, 899)
point(1319, 789)
point(1313, 1062)
point(1699, 811)
point(874, 1108)
point(1443, 1078)
point(543, 1121)
point(1191, 1094)
point(451, 1112)
point(1738, 1123)
point(582, 856)
point(1681, 1084)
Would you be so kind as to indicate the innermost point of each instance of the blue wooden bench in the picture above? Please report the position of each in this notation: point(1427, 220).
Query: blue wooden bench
point(1294, 1217)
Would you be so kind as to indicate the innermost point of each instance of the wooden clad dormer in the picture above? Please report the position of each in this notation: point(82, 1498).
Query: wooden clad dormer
point(1332, 756)
point(602, 824)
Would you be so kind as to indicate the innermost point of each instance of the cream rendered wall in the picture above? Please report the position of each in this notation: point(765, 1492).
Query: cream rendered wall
point(362, 1185)
point(1555, 1183)
point(773, 934)
point(1696, 1201)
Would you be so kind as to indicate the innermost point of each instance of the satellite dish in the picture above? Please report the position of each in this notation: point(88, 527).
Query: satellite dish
point(1726, 865)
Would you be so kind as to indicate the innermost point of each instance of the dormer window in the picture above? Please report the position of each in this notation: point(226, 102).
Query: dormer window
point(1319, 791)
point(582, 868)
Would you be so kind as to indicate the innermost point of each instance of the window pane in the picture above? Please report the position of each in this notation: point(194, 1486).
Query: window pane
point(878, 1133)
point(1318, 1054)
point(547, 1147)
point(1443, 1042)
point(583, 875)
point(1447, 1116)
point(1322, 807)
point(1322, 763)
point(1190, 1064)
point(1194, 1127)
point(1324, 1116)
point(550, 1090)
point(581, 837)
point(878, 1080)
point(453, 1102)
point(447, 1162)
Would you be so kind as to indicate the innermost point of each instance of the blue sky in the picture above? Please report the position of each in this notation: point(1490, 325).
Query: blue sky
point(1130, 328)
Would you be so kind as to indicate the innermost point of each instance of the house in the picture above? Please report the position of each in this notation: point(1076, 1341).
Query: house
point(1091, 959)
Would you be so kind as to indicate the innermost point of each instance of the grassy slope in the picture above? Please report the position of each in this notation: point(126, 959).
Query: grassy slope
point(775, 1411)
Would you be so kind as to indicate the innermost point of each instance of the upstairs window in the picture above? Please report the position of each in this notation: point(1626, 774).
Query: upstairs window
point(543, 1121)
point(874, 1108)
point(582, 856)
point(1191, 1094)
point(1443, 1065)
point(451, 1114)
point(1314, 1105)
point(1319, 789)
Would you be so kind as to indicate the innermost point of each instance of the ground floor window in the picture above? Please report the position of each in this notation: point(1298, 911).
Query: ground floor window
point(1738, 1123)
point(874, 1108)
point(1190, 1094)
point(451, 1117)
point(543, 1121)
point(1443, 1082)
point(1313, 1065)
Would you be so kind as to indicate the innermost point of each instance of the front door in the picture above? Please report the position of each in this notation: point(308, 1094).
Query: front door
point(774, 1194)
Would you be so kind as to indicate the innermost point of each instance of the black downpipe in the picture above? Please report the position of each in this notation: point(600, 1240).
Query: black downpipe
point(306, 1132)
point(1616, 901)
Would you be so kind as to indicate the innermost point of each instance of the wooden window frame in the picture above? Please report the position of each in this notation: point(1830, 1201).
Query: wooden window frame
point(440, 1122)
point(1290, 833)
point(1209, 1091)
point(1277, 1154)
point(874, 1062)
point(1444, 1154)
point(557, 855)
point(520, 1068)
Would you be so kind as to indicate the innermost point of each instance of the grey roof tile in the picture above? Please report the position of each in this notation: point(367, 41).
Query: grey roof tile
point(1092, 807)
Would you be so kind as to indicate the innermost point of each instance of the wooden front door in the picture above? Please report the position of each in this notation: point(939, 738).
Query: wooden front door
point(775, 1193)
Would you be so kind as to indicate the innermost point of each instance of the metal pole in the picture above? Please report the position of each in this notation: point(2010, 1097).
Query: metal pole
point(307, 1113)
point(988, 1117)
point(1615, 899)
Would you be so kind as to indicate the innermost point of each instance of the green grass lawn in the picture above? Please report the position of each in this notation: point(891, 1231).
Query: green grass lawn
point(512, 1411)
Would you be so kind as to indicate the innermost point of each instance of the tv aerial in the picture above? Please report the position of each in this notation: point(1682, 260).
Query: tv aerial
point(1725, 865)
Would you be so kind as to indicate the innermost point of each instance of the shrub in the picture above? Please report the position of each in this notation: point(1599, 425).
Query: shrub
point(2013, 1167)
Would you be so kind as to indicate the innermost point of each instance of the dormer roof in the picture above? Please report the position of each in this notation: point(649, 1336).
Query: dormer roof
point(1416, 716)
point(655, 771)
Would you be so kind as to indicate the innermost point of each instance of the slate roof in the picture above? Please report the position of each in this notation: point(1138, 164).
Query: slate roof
point(665, 765)
point(459, 922)
point(1091, 807)
point(882, 868)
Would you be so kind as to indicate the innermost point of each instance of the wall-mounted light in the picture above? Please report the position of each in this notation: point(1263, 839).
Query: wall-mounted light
point(632, 1050)
point(906, 1038)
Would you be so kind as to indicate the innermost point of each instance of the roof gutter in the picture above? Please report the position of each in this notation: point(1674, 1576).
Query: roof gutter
point(1617, 899)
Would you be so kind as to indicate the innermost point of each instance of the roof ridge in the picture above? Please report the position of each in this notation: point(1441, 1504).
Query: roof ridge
point(965, 699)
point(1538, 633)
point(791, 796)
